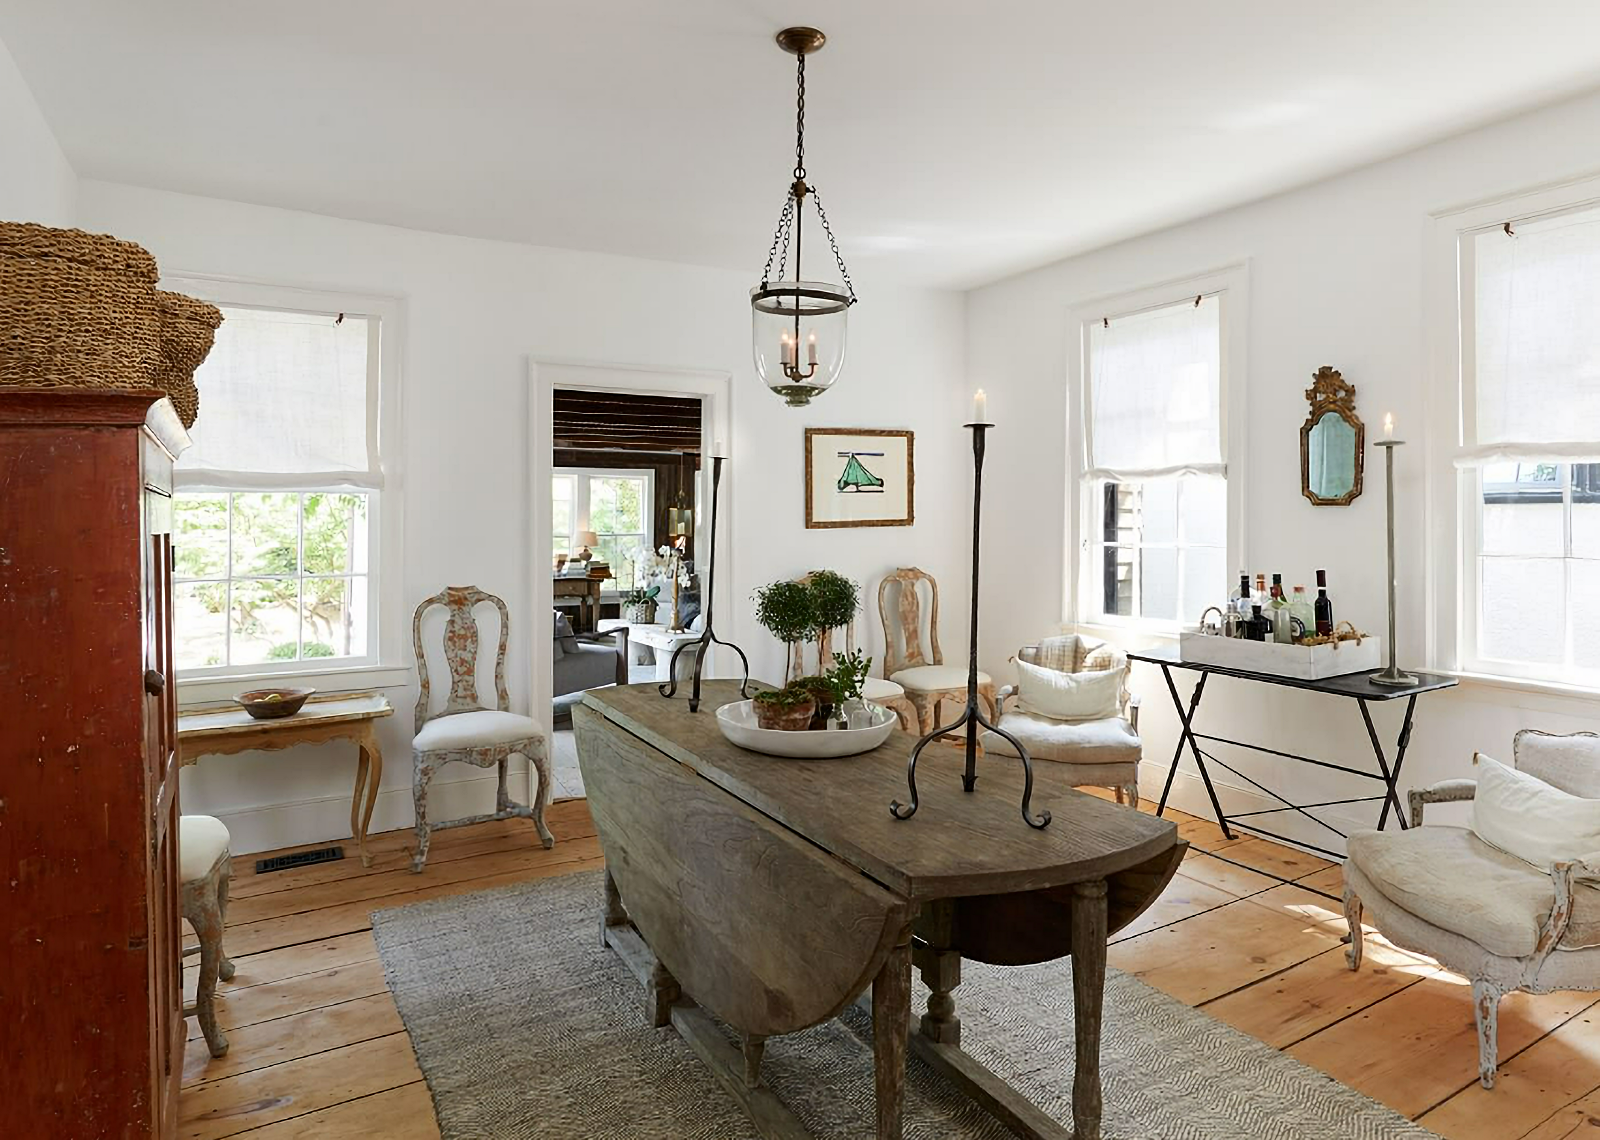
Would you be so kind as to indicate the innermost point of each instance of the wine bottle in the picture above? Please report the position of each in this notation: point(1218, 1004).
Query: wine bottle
point(1261, 597)
point(1239, 600)
point(1259, 627)
point(1323, 607)
point(1282, 626)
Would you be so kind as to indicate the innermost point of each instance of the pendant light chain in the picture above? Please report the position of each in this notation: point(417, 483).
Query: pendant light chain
point(837, 256)
point(800, 120)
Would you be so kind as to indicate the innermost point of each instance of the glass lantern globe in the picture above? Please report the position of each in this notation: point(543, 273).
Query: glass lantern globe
point(797, 335)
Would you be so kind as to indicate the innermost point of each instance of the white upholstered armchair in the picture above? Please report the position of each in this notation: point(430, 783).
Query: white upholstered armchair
point(1095, 752)
point(1504, 923)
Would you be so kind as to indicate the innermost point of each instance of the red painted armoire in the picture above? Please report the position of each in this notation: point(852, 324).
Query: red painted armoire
point(91, 1025)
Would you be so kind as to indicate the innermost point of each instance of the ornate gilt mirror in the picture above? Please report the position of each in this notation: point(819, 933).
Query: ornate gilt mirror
point(1332, 442)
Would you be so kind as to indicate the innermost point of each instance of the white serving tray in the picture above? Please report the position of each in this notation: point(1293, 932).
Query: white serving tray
point(738, 723)
point(1302, 662)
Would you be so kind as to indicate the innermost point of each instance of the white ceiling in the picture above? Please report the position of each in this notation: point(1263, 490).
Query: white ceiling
point(954, 142)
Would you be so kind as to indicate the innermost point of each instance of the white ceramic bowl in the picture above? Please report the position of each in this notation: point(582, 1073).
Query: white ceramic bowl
point(738, 723)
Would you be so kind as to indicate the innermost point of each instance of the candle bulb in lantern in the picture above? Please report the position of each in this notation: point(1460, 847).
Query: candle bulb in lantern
point(811, 349)
point(1388, 425)
point(980, 407)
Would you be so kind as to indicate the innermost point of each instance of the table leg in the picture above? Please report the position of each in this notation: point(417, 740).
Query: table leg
point(371, 767)
point(891, 1011)
point(362, 766)
point(1088, 992)
point(1401, 744)
point(1177, 753)
point(940, 967)
point(1194, 747)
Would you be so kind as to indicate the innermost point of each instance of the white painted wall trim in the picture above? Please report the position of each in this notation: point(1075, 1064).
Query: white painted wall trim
point(715, 390)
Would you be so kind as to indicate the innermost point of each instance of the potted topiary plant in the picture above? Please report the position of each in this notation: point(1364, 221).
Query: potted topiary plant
point(835, 600)
point(825, 692)
point(787, 611)
point(789, 709)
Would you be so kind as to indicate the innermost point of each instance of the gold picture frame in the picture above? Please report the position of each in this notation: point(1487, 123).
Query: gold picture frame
point(860, 477)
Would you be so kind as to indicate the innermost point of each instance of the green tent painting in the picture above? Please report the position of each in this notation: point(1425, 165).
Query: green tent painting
point(855, 478)
point(859, 477)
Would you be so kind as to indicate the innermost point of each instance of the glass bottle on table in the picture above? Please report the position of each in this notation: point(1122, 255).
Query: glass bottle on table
point(1278, 611)
point(1239, 599)
point(1300, 609)
point(1323, 606)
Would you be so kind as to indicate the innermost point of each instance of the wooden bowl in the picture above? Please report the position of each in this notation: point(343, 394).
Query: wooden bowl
point(270, 704)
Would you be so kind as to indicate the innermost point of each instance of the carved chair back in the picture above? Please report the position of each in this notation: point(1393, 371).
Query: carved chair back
point(460, 653)
point(905, 651)
point(824, 642)
point(1570, 762)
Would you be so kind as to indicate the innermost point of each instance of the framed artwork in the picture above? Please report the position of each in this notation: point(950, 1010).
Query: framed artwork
point(859, 477)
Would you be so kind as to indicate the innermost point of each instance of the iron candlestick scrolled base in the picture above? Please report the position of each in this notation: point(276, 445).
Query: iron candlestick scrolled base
point(973, 716)
point(708, 637)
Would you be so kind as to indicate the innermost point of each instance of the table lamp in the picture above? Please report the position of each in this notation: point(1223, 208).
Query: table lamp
point(586, 539)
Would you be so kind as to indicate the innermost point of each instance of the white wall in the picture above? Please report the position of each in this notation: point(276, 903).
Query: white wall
point(1336, 277)
point(36, 182)
point(476, 312)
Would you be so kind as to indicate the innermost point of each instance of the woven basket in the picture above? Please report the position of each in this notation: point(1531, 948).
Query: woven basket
point(77, 310)
point(188, 328)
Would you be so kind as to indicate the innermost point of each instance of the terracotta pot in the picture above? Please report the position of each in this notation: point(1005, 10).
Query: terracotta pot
point(824, 709)
point(791, 718)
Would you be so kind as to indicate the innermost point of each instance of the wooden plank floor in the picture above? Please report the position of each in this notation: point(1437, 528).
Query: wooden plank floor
point(318, 1049)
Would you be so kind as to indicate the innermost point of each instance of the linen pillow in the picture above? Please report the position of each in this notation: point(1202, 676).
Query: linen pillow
point(1526, 817)
point(1092, 695)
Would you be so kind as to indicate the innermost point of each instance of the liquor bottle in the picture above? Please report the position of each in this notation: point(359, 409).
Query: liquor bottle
point(1282, 626)
point(1300, 607)
point(1259, 627)
point(1323, 607)
point(1239, 600)
point(1261, 597)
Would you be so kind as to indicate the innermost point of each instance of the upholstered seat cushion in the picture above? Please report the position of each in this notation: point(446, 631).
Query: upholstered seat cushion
point(475, 730)
point(934, 678)
point(201, 838)
point(1108, 741)
point(1449, 877)
point(877, 689)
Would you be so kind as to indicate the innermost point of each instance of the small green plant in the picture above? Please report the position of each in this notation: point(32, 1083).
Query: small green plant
point(791, 696)
point(285, 650)
point(835, 599)
point(849, 674)
point(639, 596)
point(786, 610)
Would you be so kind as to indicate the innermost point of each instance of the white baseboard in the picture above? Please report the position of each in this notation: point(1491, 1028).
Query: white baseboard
point(326, 819)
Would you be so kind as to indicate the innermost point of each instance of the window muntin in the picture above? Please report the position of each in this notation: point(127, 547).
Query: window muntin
point(618, 505)
point(1160, 547)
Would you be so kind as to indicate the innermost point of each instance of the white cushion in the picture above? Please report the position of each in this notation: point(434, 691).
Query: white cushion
point(934, 678)
point(201, 839)
point(877, 689)
point(1110, 740)
point(1069, 696)
point(1526, 817)
point(475, 730)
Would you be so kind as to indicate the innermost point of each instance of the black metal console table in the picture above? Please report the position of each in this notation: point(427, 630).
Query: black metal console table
point(1356, 686)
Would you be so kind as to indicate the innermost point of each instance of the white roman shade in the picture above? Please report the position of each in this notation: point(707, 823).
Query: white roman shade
point(1531, 384)
point(1154, 393)
point(287, 400)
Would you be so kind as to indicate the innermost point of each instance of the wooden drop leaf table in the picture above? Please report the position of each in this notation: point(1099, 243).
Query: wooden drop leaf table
point(221, 730)
point(773, 893)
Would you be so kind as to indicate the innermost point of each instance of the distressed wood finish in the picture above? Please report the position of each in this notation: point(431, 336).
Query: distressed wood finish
point(773, 893)
point(228, 730)
point(754, 967)
point(461, 648)
point(908, 653)
point(90, 966)
point(205, 907)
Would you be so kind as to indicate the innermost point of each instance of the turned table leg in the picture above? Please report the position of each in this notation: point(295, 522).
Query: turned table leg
point(1088, 992)
point(369, 771)
point(891, 1011)
point(940, 967)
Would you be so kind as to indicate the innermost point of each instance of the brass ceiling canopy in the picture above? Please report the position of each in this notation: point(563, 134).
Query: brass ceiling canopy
point(801, 41)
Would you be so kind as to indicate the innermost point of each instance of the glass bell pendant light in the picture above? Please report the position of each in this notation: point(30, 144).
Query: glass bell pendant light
point(797, 331)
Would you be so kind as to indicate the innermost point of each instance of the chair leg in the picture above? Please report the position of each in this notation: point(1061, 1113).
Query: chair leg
point(1352, 918)
point(1119, 790)
point(225, 969)
point(1486, 1006)
point(502, 797)
point(1129, 794)
point(420, 775)
point(200, 908)
point(540, 760)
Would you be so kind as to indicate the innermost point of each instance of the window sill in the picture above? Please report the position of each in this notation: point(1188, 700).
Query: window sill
point(357, 678)
point(1517, 691)
point(1144, 633)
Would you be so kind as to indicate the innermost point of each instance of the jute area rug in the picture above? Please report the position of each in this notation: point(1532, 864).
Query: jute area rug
point(525, 1027)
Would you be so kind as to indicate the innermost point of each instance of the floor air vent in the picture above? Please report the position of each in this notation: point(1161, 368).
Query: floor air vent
point(299, 859)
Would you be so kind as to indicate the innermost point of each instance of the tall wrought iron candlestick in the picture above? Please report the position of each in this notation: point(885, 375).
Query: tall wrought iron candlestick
point(708, 635)
point(972, 717)
point(1392, 676)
